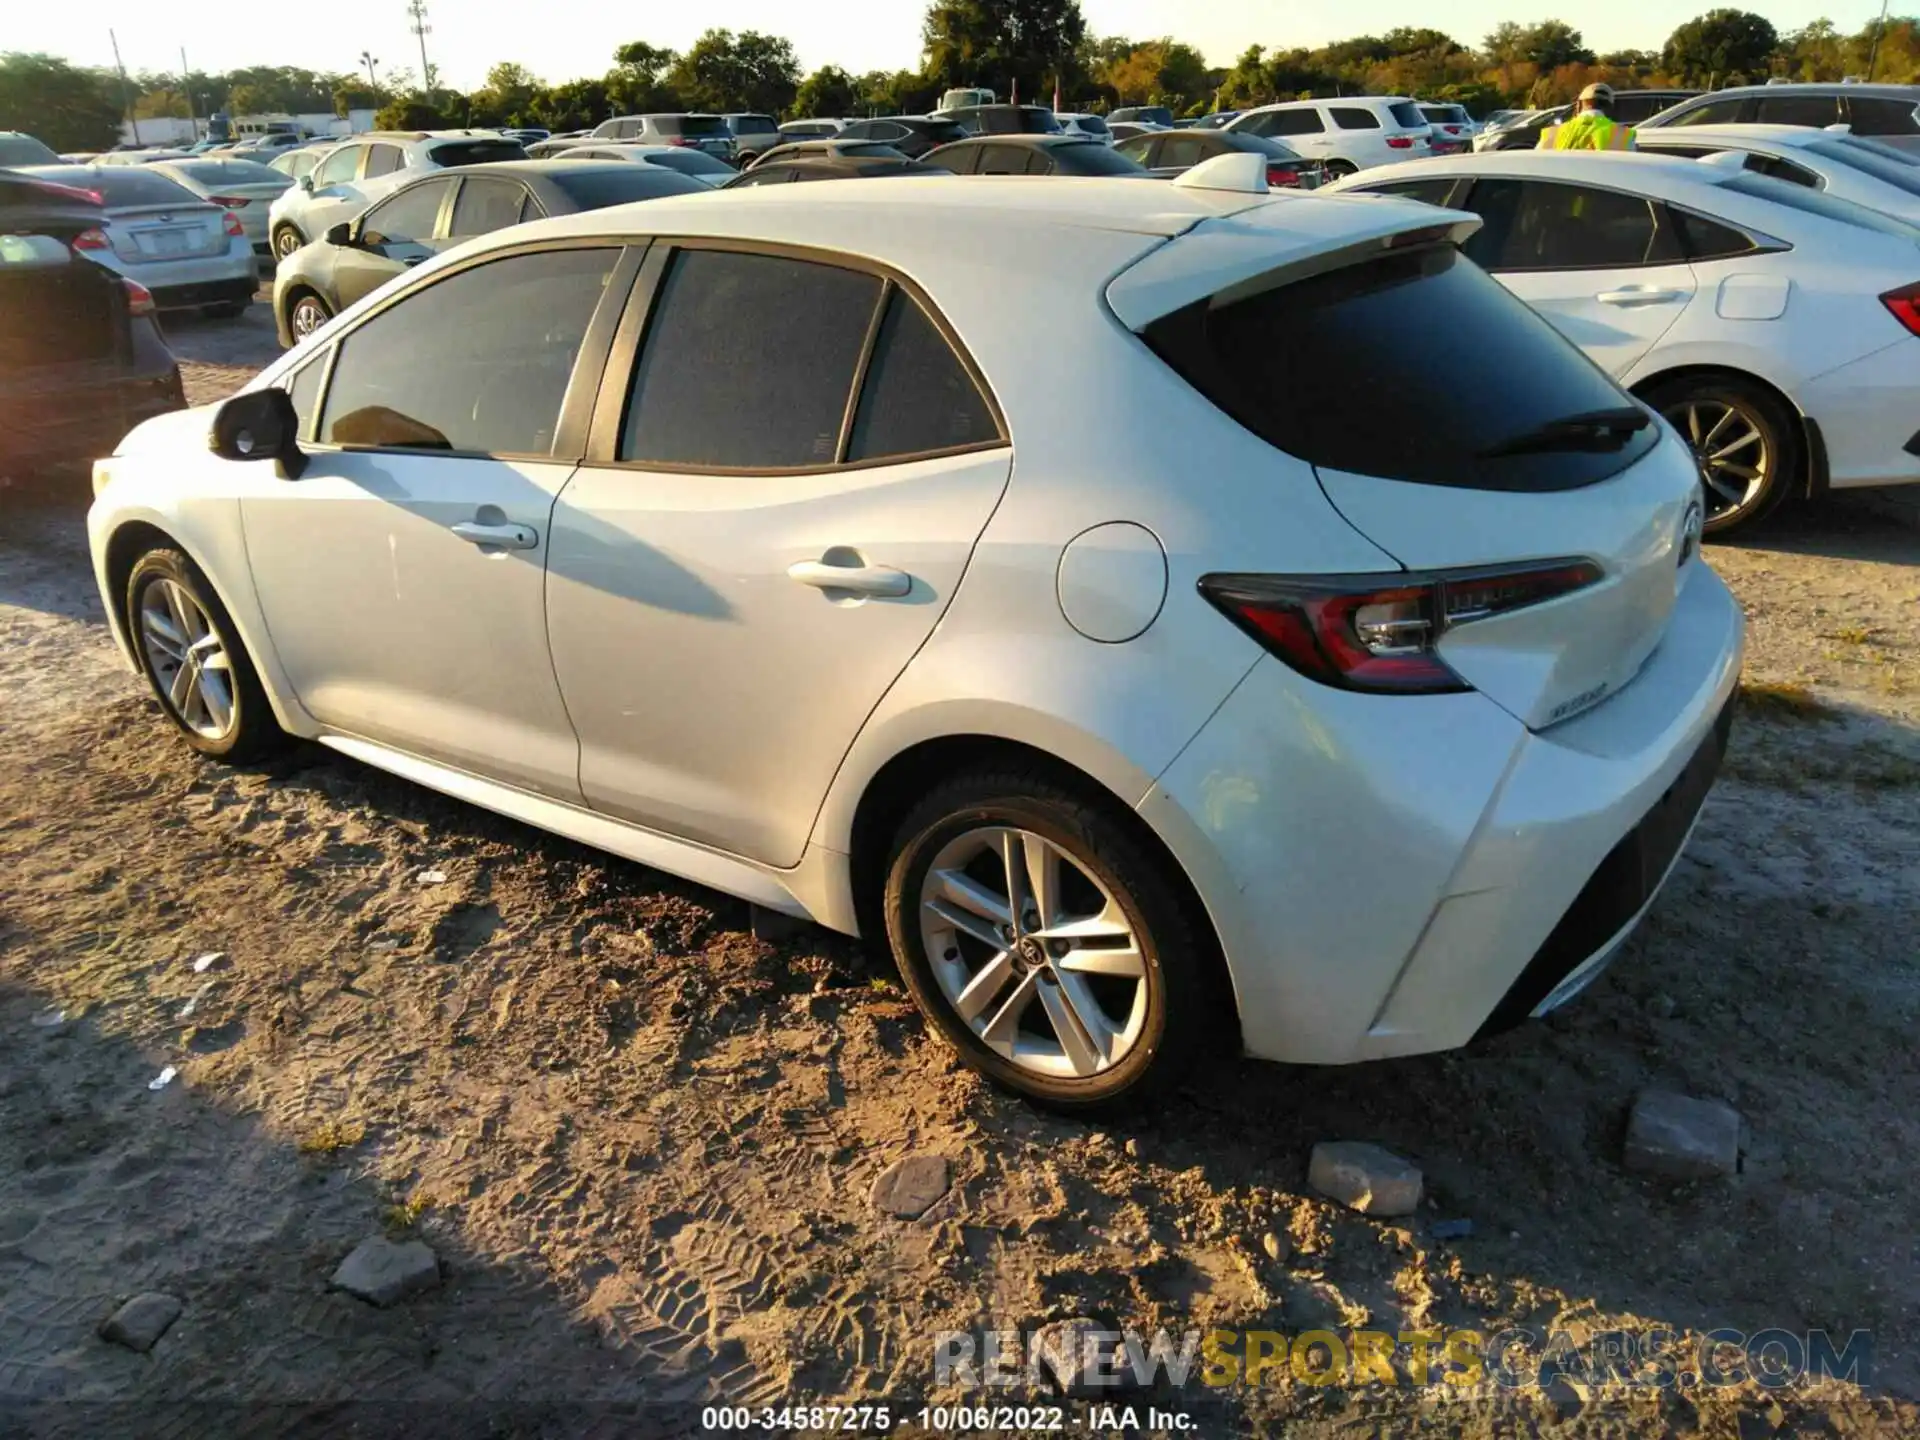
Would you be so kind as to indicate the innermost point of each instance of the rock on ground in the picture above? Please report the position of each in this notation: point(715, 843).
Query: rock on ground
point(1364, 1177)
point(382, 1272)
point(142, 1321)
point(1681, 1138)
point(907, 1188)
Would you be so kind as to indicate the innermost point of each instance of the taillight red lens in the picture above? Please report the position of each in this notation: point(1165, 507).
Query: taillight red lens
point(231, 202)
point(1280, 175)
point(1380, 633)
point(91, 240)
point(232, 222)
point(1905, 305)
point(139, 298)
point(678, 140)
point(1400, 142)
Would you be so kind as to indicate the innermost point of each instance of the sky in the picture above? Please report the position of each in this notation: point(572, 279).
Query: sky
point(566, 39)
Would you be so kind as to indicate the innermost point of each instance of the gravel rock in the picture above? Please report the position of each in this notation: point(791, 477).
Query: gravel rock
point(1275, 1247)
point(1364, 1177)
point(382, 1272)
point(141, 1321)
point(1681, 1138)
point(907, 1188)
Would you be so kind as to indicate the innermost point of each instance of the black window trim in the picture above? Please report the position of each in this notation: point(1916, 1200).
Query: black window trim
point(570, 435)
point(1657, 208)
point(616, 381)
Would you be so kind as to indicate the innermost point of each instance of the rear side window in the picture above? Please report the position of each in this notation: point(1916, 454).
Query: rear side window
point(1356, 117)
point(1812, 110)
point(484, 206)
point(1089, 157)
point(476, 362)
point(1818, 202)
point(408, 216)
point(1406, 114)
point(1537, 225)
point(1289, 122)
point(1882, 117)
point(1181, 151)
point(1006, 160)
point(918, 397)
point(1415, 366)
point(755, 125)
point(1705, 239)
point(383, 160)
point(792, 329)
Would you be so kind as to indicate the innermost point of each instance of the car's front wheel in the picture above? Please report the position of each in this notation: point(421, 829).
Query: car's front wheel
point(1340, 169)
point(286, 240)
point(308, 314)
point(1046, 942)
point(192, 657)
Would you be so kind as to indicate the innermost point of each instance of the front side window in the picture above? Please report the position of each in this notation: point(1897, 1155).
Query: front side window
point(339, 167)
point(1136, 149)
point(476, 362)
point(1004, 160)
point(1182, 152)
point(407, 218)
point(1714, 112)
point(1355, 117)
point(1537, 225)
point(792, 330)
point(384, 160)
point(918, 397)
point(303, 388)
point(485, 205)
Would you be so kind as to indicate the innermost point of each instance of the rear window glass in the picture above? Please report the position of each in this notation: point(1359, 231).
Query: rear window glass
point(477, 152)
point(691, 125)
point(690, 162)
point(622, 182)
point(1882, 165)
point(1092, 124)
point(1090, 157)
point(1406, 114)
point(25, 150)
point(942, 132)
point(120, 185)
point(215, 173)
point(1416, 366)
point(1818, 202)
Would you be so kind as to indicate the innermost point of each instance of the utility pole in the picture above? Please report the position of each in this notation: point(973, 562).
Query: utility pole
point(1873, 55)
point(417, 9)
point(126, 90)
point(369, 59)
point(186, 84)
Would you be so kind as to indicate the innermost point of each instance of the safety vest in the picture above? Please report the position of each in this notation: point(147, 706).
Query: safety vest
point(1588, 131)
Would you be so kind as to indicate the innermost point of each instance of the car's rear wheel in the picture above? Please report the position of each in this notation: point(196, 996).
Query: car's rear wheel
point(1046, 942)
point(308, 314)
point(1340, 169)
point(286, 240)
point(1744, 443)
point(192, 657)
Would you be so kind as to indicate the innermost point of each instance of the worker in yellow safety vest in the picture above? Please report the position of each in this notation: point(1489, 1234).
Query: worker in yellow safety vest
point(1592, 126)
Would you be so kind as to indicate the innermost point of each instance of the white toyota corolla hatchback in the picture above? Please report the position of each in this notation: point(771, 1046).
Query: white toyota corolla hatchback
point(1322, 663)
point(1775, 325)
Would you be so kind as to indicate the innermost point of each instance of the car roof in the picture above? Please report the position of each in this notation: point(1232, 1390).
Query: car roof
point(1795, 135)
point(1597, 167)
point(1023, 137)
point(1818, 87)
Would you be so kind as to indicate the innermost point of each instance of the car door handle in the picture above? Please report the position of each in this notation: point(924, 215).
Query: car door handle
point(1639, 295)
point(506, 537)
point(859, 579)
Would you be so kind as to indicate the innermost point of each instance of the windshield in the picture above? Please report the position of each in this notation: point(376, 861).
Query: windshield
point(25, 150)
point(1415, 366)
point(477, 152)
point(690, 162)
point(1883, 164)
point(1818, 202)
point(1444, 114)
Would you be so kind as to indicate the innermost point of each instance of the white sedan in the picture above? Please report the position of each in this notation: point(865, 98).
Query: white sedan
point(1776, 326)
point(1863, 171)
point(1256, 705)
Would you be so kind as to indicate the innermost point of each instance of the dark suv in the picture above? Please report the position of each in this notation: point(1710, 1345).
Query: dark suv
point(82, 360)
point(911, 135)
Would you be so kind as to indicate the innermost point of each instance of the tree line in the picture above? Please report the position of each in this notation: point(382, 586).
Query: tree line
point(1019, 48)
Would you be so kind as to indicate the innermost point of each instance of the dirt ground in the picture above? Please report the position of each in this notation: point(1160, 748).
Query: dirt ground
point(642, 1141)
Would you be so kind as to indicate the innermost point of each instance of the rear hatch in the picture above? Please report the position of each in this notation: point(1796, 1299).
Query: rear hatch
point(1407, 129)
point(57, 309)
point(1543, 513)
point(166, 232)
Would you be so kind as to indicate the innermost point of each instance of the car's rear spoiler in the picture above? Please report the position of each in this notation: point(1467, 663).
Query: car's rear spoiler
point(1288, 238)
point(31, 206)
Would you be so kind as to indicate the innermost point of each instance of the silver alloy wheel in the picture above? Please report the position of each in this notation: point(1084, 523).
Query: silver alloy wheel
point(285, 242)
point(308, 316)
point(188, 659)
point(1730, 449)
point(1035, 955)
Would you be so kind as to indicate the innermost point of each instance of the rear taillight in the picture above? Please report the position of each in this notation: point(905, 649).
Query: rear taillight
point(91, 240)
point(1377, 632)
point(231, 202)
point(139, 298)
point(1400, 142)
point(232, 222)
point(678, 140)
point(1282, 175)
point(1904, 303)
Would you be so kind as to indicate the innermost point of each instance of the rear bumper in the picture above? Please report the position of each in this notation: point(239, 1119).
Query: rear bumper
point(63, 423)
point(1867, 413)
point(211, 292)
point(1385, 872)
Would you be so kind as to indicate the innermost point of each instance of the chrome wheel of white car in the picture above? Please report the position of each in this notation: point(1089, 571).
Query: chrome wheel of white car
point(190, 665)
point(1034, 954)
point(1745, 449)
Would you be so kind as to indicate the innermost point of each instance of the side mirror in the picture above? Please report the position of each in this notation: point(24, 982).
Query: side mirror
point(341, 234)
point(306, 182)
point(259, 425)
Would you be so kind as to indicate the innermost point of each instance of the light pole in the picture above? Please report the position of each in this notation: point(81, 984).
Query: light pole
point(418, 10)
point(369, 59)
point(1873, 55)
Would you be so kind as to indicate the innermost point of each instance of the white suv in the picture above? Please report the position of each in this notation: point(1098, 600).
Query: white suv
point(352, 176)
point(1347, 135)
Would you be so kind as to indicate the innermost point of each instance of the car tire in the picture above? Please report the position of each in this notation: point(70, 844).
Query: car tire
point(1036, 1016)
point(1728, 421)
point(286, 240)
point(306, 315)
point(1340, 169)
point(187, 647)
